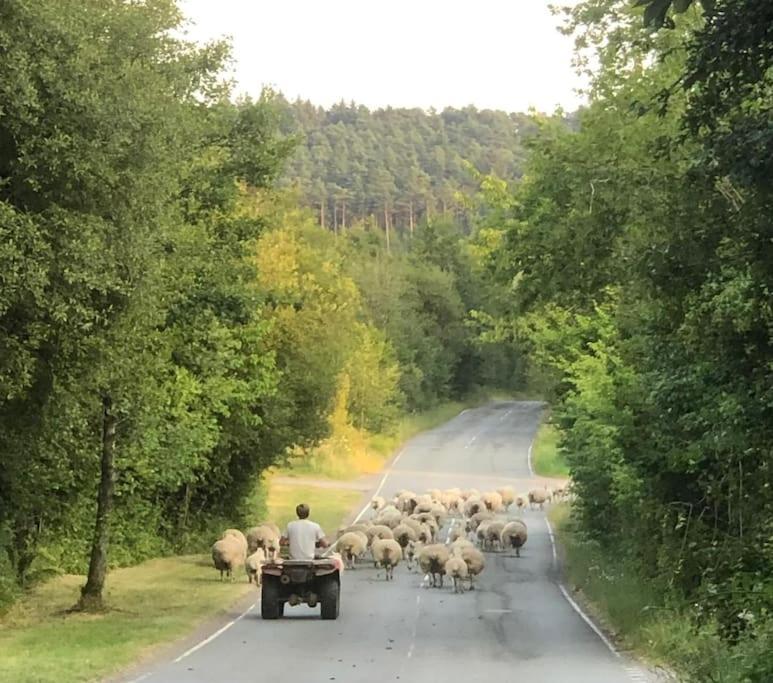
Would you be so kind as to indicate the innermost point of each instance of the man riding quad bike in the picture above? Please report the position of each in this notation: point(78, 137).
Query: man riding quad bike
point(304, 577)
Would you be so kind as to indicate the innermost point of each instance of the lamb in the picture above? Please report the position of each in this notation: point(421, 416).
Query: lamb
point(538, 497)
point(404, 534)
point(352, 546)
point(432, 560)
point(411, 552)
point(253, 564)
point(456, 568)
point(514, 535)
point(227, 555)
point(508, 496)
point(492, 500)
point(520, 501)
point(474, 560)
point(377, 503)
point(482, 533)
point(387, 553)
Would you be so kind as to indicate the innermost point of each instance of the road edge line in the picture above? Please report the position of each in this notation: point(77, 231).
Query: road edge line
point(573, 604)
point(217, 633)
point(387, 472)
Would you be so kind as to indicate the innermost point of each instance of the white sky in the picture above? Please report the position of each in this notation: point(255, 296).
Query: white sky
point(495, 54)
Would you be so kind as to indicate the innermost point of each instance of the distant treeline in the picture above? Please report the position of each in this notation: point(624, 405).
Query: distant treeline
point(398, 167)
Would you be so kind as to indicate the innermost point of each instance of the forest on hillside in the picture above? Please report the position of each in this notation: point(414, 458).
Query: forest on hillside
point(395, 168)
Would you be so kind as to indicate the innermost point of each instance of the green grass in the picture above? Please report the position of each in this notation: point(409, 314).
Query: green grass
point(639, 613)
point(545, 456)
point(328, 506)
point(151, 604)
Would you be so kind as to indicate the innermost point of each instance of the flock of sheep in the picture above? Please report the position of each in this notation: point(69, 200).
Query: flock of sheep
point(408, 528)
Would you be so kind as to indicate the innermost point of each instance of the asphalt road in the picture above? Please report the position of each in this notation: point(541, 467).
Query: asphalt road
point(516, 625)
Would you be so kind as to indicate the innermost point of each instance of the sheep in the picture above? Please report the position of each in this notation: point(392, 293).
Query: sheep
point(227, 555)
point(520, 501)
point(389, 516)
point(352, 546)
point(258, 536)
point(493, 531)
point(404, 534)
point(415, 524)
point(514, 535)
point(361, 528)
point(474, 560)
point(538, 497)
point(451, 499)
point(253, 565)
point(492, 500)
point(387, 553)
point(474, 522)
point(456, 568)
point(457, 531)
point(425, 534)
point(508, 496)
point(432, 560)
point(473, 506)
point(272, 547)
point(273, 527)
point(377, 503)
point(439, 512)
point(378, 531)
point(470, 493)
point(411, 552)
point(435, 494)
point(458, 544)
point(482, 533)
point(406, 502)
point(237, 535)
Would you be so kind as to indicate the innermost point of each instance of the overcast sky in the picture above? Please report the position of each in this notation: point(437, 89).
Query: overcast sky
point(497, 54)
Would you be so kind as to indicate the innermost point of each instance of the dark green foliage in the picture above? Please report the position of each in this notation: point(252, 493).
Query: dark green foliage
point(640, 252)
point(398, 166)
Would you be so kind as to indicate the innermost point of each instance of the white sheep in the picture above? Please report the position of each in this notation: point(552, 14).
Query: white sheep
point(253, 565)
point(404, 534)
point(538, 496)
point(377, 503)
point(456, 568)
point(239, 536)
point(520, 501)
point(378, 531)
point(227, 555)
point(474, 560)
point(474, 522)
point(432, 560)
point(362, 528)
point(472, 506)
point(352, 546)
point(493, 532)
point(492, 500)
point(387, 553)
point(508, 496)
point(260, 537)
point(514, 535)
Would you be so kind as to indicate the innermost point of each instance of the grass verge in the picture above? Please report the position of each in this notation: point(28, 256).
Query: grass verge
point(151, 604)
point(546, 459)
point(645, 618)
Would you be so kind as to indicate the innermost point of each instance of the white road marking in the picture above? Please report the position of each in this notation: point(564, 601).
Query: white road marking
point(497, 611)
point(140, 678)
point(552, 542)
point(471, 441)
point(415, 627)
point(215, 634)
point(575, 606)
point(380, 486)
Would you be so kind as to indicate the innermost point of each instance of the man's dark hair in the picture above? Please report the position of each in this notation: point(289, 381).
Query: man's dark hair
point(302, 511)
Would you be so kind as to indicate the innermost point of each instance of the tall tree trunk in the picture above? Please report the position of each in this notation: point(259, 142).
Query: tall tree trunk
point(322, 213)
point(91, 593)
point(343, 215)
point(386, 227)
point(410, 217)
point(335, 216)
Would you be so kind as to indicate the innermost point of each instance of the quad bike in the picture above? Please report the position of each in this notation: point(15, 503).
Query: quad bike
point(301, 581)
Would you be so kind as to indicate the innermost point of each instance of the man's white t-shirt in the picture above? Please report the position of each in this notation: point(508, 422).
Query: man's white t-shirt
point(303, 535)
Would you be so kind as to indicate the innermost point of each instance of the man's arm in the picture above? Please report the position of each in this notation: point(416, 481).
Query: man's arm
point(321, 540)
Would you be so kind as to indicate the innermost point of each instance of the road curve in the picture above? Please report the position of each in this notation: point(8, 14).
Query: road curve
point(516, 625)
